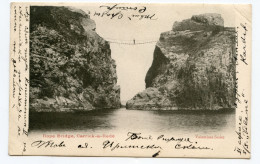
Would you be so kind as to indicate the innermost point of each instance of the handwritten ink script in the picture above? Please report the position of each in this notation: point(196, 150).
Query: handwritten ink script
point(175, 142)
point(243, 128)
point(120, 143)
point(19, 78)
point(132, 141)
point(50, 143)
point(242, 97)
point(118, 11)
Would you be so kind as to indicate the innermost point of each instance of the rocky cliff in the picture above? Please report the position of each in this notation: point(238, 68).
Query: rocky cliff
point(70, 64)
point(193, 68)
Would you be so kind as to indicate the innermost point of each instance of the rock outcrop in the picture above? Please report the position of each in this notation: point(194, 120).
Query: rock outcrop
point(193, 68)
point(70, 64)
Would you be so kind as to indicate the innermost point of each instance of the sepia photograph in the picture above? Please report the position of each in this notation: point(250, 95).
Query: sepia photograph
point(130, 80)
point(87, 77)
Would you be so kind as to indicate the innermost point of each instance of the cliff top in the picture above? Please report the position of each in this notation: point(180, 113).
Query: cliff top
point(206, 21)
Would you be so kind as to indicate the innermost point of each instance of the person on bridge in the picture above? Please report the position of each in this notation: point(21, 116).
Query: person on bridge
point(134, 41)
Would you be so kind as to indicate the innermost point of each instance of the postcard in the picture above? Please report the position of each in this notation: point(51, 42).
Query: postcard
point(130, 80)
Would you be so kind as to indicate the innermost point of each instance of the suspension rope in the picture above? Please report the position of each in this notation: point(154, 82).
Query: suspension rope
point(133, 42)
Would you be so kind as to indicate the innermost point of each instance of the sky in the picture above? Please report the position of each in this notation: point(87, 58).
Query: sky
point(133, 61)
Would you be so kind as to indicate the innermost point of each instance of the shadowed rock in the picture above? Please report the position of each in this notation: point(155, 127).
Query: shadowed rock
point(70, 64)
point(193, 68)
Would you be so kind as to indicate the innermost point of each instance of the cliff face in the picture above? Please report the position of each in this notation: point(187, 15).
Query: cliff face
point(70, 64)
point(193, 68)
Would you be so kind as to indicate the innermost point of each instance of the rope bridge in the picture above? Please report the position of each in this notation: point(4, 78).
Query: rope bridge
point(130, 42)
